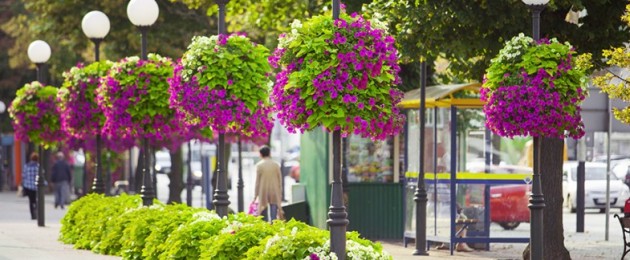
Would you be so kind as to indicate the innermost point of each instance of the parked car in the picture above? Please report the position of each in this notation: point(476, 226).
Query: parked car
point(508, 203)
point(594, 187)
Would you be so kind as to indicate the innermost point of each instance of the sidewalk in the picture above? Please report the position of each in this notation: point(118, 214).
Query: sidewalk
point(21, 238)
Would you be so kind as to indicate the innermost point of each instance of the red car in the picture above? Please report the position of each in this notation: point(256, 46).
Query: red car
point(508, 205)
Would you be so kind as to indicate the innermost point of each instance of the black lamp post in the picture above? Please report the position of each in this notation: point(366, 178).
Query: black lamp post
point(143, 14)
point(536, 199)
point(337, 216)
point(95, 26)
point(420, 196)
point(239, 185)
point(39, 53)
point(221, 198)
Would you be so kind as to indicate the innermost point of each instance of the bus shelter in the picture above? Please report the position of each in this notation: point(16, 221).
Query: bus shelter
point(477, 184)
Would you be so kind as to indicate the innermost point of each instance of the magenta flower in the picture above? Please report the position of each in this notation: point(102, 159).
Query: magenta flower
point(237, 108)
point(35, 116)
point(542, 103)
point(362, 71)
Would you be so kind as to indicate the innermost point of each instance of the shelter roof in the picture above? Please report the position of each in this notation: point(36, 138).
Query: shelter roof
point(445, 96)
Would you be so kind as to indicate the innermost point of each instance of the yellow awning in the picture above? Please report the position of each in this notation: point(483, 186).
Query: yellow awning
point(442, 96)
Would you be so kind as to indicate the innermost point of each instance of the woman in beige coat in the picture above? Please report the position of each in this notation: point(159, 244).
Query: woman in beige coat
point(268, 186)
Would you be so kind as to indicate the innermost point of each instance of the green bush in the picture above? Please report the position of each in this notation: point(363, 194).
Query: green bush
point(121, 226)
point(171, 218)
point(184, 242)
point(241, 233)
point(90, 216)
point(292, 241)
point(112, 239)
point(136, 232)
point(73, 223)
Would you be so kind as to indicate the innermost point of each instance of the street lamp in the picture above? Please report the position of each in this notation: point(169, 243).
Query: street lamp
point(420, 196)
point(95, 26)
point(221, 198)
point(536, 199)
point(337, 215)
point(143, 14)
point(39, 53)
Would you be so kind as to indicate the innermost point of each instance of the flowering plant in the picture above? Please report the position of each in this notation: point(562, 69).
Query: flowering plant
point(34, 114)
point(81, 117)
point(535, 89)
point(222, 82)
point(338, 74)
point(134, 98)
point(293, 240)
point(356, 248)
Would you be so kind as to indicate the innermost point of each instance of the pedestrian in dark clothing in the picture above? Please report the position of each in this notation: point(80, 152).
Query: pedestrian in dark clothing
point(29, 176)
point(61, 177)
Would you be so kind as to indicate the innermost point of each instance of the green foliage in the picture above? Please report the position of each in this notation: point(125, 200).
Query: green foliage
point(59, 24)
point(135, 234)
point(171, 218)
point(292, 241)
point(469, 33)
point(185, 241)
point(615, 83)
point(87, 220)
point(34, 114)
point(120, 226)
point(236, 238)
point(75, 220)
point(237, 65)
point(111, 243)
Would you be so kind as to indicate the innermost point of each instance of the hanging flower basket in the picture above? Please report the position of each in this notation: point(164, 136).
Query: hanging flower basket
point(338, 74)
point(34, 114)
point(81, 117)
point(535, 89)
point(134, 99)
point(222, 83)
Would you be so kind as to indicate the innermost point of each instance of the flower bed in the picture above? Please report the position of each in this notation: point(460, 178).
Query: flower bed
point(122, 226)
point(535, 89)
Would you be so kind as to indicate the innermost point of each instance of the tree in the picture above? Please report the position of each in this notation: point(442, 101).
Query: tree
point(469, 33)
point(613, 82)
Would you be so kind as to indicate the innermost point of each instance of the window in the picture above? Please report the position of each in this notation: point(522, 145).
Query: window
point(370, 161)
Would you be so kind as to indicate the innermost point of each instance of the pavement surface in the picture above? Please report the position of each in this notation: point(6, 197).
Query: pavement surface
point(21, 238)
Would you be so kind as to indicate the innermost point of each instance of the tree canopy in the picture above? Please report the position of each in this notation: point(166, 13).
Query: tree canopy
point(59, 24)
point(470, 33)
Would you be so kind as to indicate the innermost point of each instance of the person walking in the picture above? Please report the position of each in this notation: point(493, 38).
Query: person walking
point(61, 177)
point(29, 175)
point(268, 186)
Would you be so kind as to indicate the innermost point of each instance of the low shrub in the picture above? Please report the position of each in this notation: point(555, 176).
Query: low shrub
point(170, 219)
point(241, 233)
point(291, 242)
point(122, 226)
point(185, 241)
point(136, 232)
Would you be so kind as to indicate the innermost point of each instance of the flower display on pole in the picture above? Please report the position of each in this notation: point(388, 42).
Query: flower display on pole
point(535, 89)
point(222, 82)
point(339, 74)
point(81, 117)
point(34, 114)
point(134, 99)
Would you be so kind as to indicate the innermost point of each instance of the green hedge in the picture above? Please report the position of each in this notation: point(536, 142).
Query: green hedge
point(122, 226)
